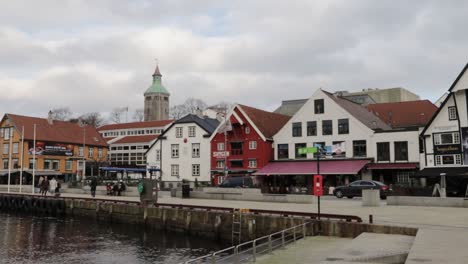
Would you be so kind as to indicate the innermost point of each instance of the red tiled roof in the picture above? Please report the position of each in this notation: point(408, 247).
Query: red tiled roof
point(145, 124)
point(267, 122)
point(136, 139)
point(404, 114)
point(58, 131)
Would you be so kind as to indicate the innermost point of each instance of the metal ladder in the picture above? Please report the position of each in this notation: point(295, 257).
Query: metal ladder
point(236, 226)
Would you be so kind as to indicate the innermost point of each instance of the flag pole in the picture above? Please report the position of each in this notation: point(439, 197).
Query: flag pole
point(9, 156)
point(34, 160)
point(22, 160)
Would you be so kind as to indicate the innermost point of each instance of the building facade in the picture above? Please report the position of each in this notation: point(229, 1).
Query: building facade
point(244, 143)
point(156, 99)
point(128, 142)
point(182, 151)
point(355, 144)
point(446, 140)
point(62, 149)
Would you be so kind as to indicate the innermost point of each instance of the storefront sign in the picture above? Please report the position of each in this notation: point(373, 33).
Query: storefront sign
point(339, 149)
point(48, 148)
point(311, 150)
point(447, 149)
point(220, 154)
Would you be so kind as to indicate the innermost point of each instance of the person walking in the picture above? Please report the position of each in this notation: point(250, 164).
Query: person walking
point(93, 185)
point(52, 186)
point(45, 186)
point(39, 184)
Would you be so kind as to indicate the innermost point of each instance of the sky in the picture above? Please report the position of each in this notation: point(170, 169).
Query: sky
point(94, 56)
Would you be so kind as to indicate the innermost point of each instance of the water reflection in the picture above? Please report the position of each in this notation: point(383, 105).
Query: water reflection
point(27, 239)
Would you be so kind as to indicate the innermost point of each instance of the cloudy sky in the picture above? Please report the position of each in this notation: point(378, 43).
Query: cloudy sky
point(97, 55)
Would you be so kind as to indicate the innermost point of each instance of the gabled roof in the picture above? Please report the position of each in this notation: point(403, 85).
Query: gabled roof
point(58, 131)
point(360, 113)
point(208, 124)
point(290, 107)
point(145, 124)
point(135, 139)
point(267, 122)
point(404, 114)
point(458, 78)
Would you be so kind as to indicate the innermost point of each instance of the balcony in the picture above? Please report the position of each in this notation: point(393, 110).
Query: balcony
point(236, 152)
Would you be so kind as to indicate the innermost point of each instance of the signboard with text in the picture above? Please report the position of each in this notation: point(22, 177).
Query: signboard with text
point(48, 148)
point(220, 154)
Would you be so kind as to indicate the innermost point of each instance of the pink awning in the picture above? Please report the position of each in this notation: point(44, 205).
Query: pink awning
point(310, 167)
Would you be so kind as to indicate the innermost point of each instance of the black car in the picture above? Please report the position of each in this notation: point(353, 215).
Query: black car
point(237, 182)
point(355, 189)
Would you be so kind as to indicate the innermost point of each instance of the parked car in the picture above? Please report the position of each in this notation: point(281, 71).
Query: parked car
point(355, 189)
point(237, 182)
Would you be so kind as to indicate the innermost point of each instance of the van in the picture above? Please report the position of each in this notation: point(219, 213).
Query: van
point(237, 182)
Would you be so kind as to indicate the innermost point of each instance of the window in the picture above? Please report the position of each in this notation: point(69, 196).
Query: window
point(5, 164)
point(237, 163)
point(90, 152)
point(343, 126)
point(195, 150)
point(283, 151)
point(158, 154)
point(383, 151)
point(247, 130)
point(253, 163)
point(15, 164)
point(359, 148)
point(68, 165)
point(47, 164)
point(2, 132)
point(403, 177)
point(100, 152)
point(31, 164)
point(236, 148)
point(320, 149)
point(220, 164)
point(191, 131)
point(7, 133)
point(195, 169)
point(452, 112)
point(448, 159)
point(56, 164)
point(6, 148)
point(252, 144)
point(327, 127)
point(178, 132)
point(312, 128)
point(447, 138)
point(174, 170)
point(220, 146)
point(297, 147)
point(297, 129)
point(175, 150)
point(319, 106)
point(80, 151)
point(15, 148)
point(401, 150)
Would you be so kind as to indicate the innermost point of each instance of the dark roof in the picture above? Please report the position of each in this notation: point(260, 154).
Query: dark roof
point(58, 131)
point(208, 124)
point(458, 77)
point(136, 139)
point(404, 114)
point(145, 124)
point(267, 122)
point(290, 107)
point(359, 112)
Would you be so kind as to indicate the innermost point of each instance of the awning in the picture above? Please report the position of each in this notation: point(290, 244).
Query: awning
point(128, 169)
point(310, 167)
point(5, 172)
point(44, 172)
point(449, 171)
point(392, 166)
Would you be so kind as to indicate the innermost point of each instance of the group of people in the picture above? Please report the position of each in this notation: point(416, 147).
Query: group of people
point(52, 186)
point(112, 188)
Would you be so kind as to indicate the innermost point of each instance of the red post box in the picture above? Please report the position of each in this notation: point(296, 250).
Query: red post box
point(318, 185)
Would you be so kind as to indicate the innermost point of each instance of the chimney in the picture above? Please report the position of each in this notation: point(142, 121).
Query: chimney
point(219, 116)
point(50, 119)
point(199, 112)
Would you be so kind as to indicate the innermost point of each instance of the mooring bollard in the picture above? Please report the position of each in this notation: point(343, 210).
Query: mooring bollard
point(371, 219)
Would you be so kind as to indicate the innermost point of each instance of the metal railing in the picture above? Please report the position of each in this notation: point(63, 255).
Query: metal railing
point(250, 250)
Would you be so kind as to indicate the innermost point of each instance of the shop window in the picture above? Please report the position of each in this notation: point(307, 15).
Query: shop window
point(297, 147)
point(312, 128)
point(283, 151)
point(383, 151)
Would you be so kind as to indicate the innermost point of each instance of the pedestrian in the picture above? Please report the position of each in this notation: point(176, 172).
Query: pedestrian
point(45, 186)
point(52, 185)
point(39, 184)
point(120, 187)
point(93, 185)
point(57, 189)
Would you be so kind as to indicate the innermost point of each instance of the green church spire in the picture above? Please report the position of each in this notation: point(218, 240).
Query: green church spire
point(156, 86)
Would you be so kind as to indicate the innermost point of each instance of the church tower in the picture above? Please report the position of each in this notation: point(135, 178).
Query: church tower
point(156, 99)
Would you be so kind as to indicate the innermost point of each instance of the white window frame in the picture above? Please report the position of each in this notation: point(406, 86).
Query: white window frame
point(99, 152)
point(247, 130)
point(6, 148)
point(252, 163)
point(90, 152)
point(175, 170)
point(192, 131)
point(457, 160)
point(69, 165)
point(158, 155)
point(15, 148)
point(195, 169)
point(175, 151)
point(455, 138)
point(253, 144)
point(220, 164)
point(179, 132)
point(196, 150)
point(452, 113)
point(220, 146)
point(80, 151)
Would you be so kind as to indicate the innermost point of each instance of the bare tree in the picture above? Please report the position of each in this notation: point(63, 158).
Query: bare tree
point(190, 106)
point(117, 113)
point(61, 113)
point(92, 119)
point(176, 111)
point(138, 115)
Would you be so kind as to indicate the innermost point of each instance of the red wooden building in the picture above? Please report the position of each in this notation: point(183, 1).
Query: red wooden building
point(244, 143)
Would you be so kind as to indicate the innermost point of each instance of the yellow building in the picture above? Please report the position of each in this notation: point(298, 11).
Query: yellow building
point(61, 149)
